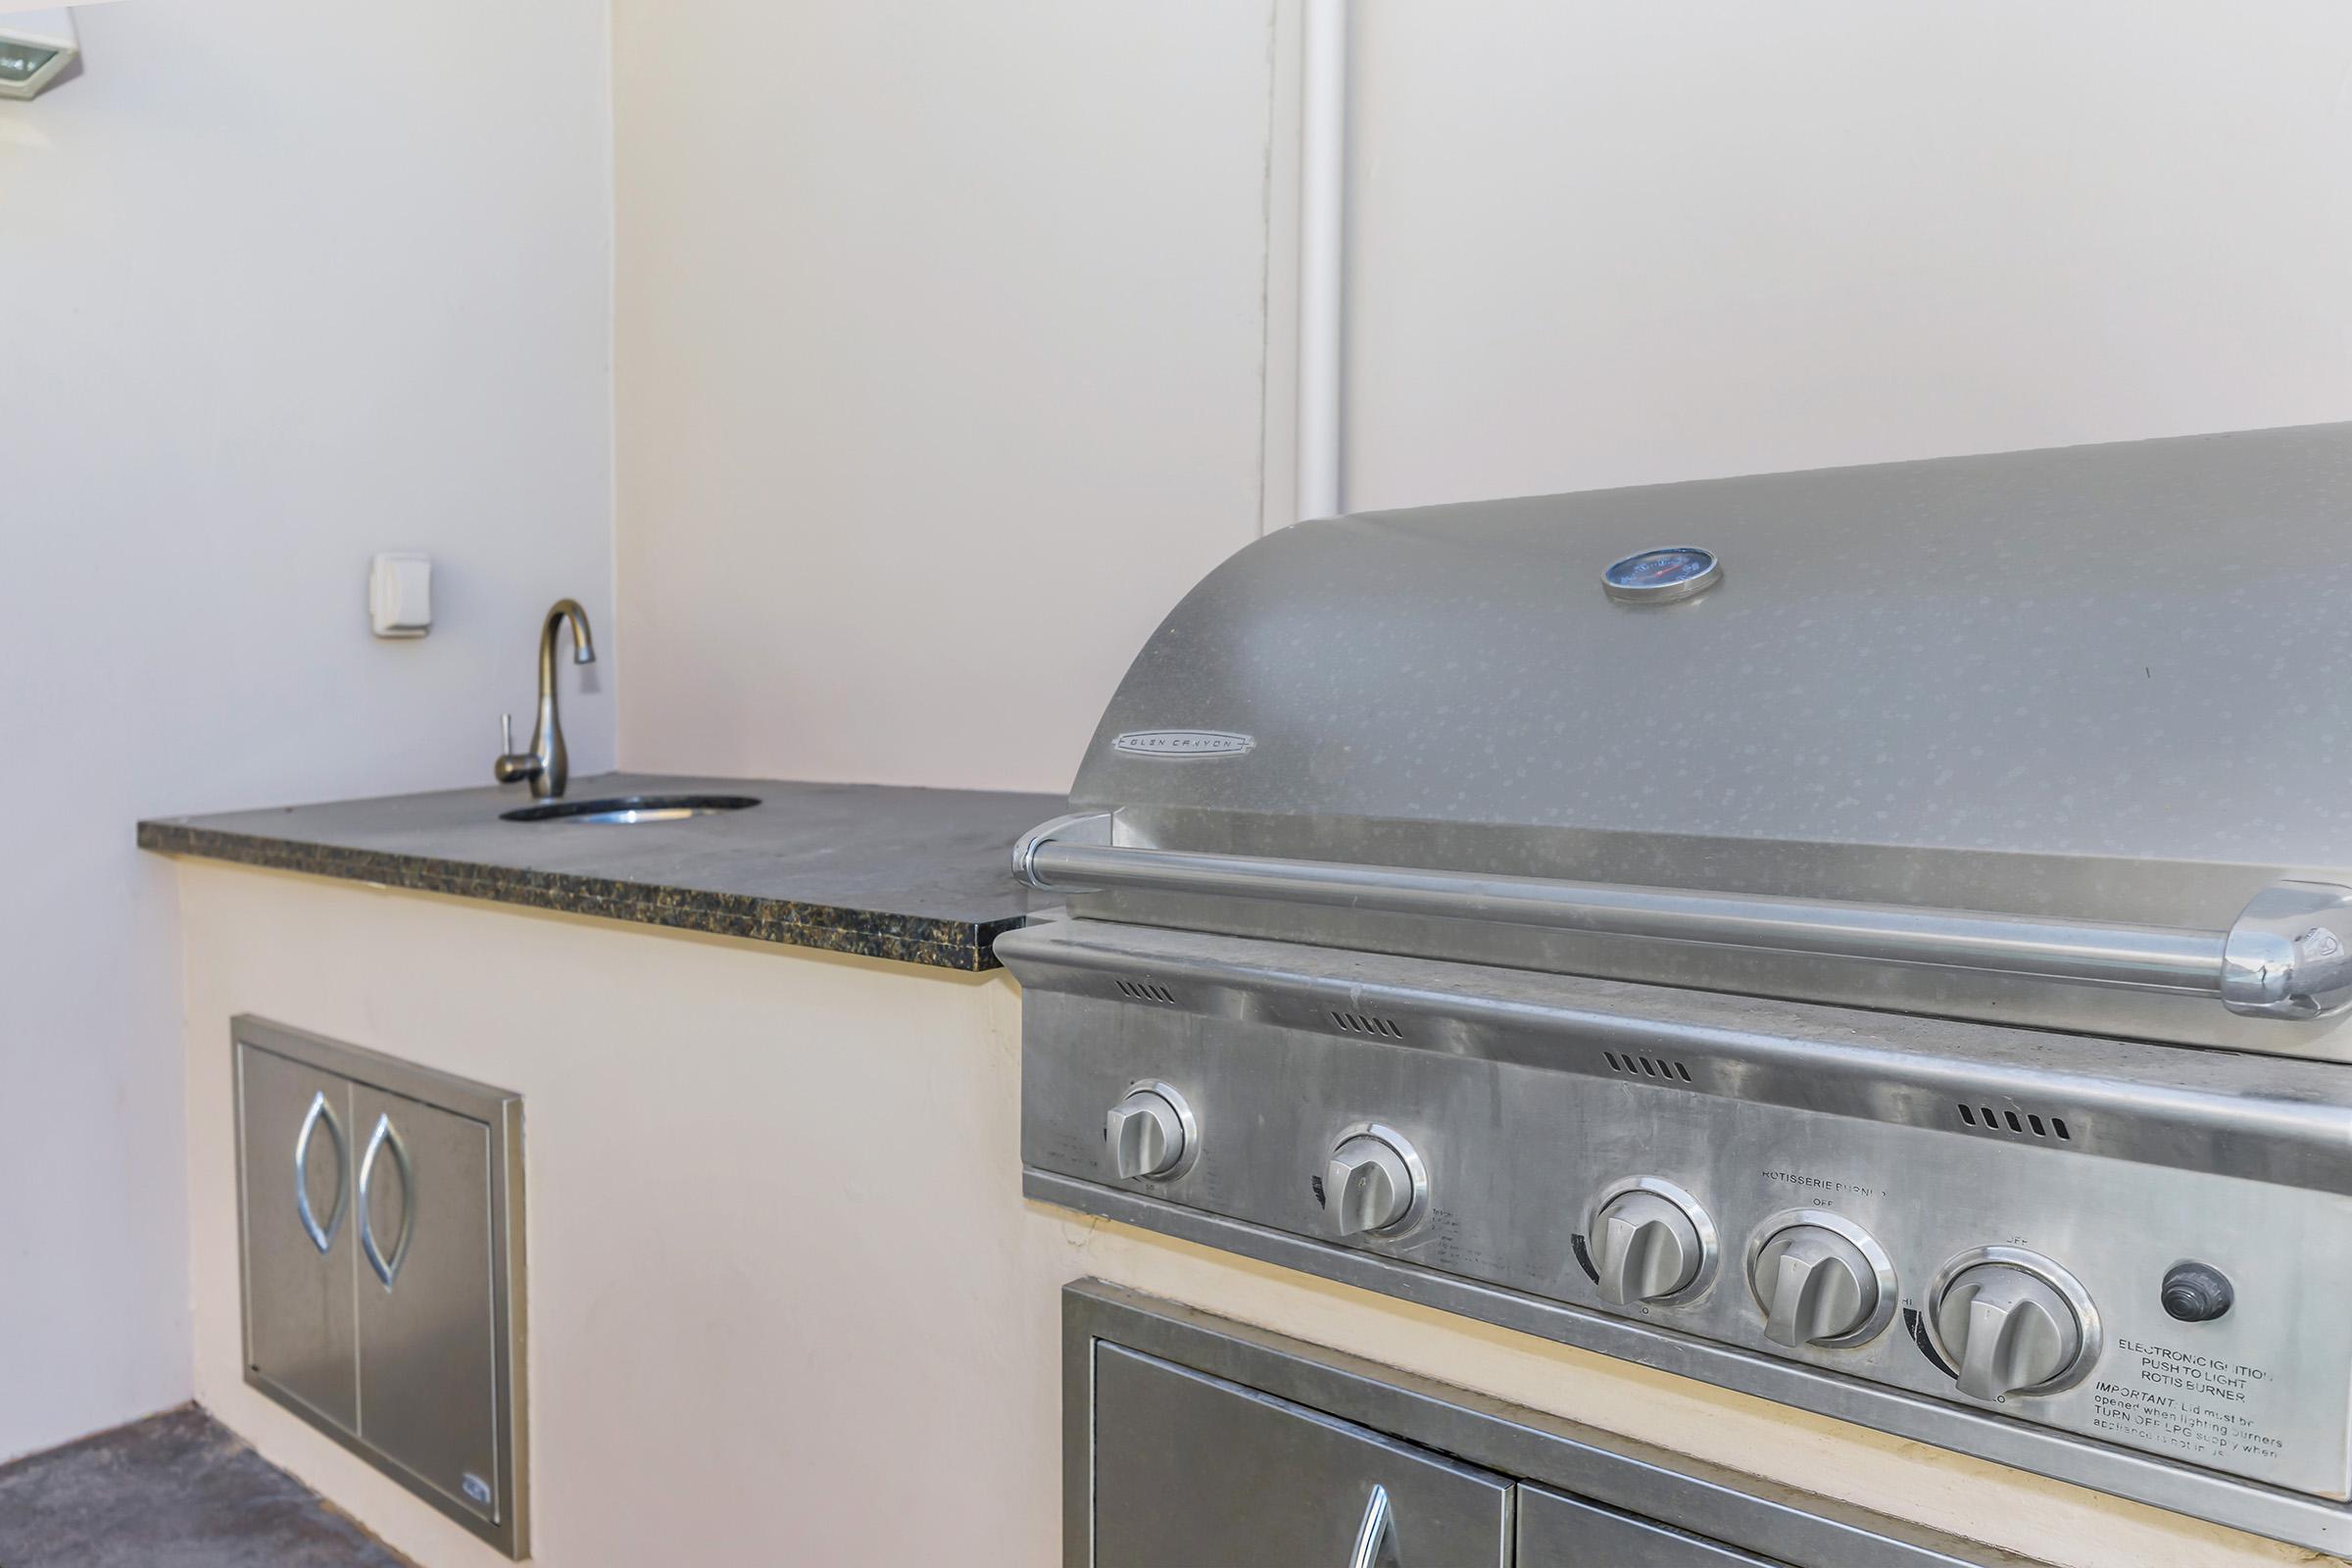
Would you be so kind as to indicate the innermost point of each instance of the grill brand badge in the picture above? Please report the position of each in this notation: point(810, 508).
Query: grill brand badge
point(1183, 743)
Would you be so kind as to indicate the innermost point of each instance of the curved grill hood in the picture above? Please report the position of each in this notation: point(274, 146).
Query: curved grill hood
point(2103, 685)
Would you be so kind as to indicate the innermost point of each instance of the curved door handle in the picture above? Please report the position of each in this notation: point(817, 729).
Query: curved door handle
point(387, 1136)
point(323, 1236)
point(1375, 1538)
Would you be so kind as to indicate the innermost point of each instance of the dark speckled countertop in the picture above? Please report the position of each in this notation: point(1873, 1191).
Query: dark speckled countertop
point(924, 876)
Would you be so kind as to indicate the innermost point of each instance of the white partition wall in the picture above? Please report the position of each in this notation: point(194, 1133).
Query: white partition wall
point(956, 343)
point(275, 296)
point(942, 343)
point(1599, 244)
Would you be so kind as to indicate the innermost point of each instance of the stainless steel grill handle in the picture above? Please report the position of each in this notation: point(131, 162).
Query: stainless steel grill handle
point(1373, 1537)
point(323, 1236)
point(387, 1136)
point(2288, 956)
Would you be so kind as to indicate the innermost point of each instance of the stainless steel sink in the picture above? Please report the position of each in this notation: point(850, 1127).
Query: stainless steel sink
point(629, 809)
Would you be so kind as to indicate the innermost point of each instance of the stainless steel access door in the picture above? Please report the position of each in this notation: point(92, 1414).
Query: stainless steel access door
point(1192, 1441)
point(1191, 1470)
point(295, 1179)
point(1559, 1532)
point(381, 1210)
point(428, 1353)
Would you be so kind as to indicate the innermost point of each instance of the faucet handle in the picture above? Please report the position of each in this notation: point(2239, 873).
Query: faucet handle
point(512, 767)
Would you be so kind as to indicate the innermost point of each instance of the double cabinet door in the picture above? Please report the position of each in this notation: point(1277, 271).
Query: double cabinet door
point(1190, 1471)
point(370, 1299)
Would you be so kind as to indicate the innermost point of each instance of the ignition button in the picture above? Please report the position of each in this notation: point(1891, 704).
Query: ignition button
point(2197, 1293)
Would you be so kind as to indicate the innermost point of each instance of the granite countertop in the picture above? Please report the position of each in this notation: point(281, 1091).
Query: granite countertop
point(924, 876)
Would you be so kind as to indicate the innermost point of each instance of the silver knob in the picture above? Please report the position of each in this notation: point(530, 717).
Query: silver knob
point(1814, 1284)
point(1645, 1244)
point(1371, 1183)
point(1145, 1134)
point(2009, 1330)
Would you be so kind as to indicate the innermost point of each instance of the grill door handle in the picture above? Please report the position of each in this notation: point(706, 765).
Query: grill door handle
point(323, 1236)
point(1375, 1536)
point(2288, 956)
point(387, 1136)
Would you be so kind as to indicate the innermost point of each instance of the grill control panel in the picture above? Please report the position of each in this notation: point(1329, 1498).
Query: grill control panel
point(2154, 1304)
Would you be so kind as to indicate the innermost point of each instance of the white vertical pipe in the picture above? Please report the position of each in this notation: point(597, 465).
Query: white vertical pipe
point(1323, 259)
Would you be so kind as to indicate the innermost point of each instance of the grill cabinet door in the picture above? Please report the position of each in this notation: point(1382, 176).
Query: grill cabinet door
point(1560, 1531)
point(294, 1140)
point(429, 1357)
point(1194, 1472)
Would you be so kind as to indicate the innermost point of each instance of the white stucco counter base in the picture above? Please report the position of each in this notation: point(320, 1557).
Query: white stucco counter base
point(787, 1304)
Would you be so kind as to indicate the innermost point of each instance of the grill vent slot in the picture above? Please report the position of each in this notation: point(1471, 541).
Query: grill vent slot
point(2015, 1123)
point(1364, 1023)
point(1146, 991)
point(1654, 1068)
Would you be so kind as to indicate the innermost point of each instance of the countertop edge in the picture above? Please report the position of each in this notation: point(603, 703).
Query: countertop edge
point(965, 946)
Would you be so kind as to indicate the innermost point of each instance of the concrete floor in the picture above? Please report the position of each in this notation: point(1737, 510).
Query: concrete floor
point(176, 1491)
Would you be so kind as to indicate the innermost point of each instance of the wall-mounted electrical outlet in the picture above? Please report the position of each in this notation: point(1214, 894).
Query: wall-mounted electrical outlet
point(400, 594)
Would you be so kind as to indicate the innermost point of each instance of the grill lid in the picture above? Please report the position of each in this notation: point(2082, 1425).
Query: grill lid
point(2095, 691)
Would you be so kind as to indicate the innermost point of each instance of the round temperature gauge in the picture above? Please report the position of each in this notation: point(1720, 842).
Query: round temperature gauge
point(1663, 576)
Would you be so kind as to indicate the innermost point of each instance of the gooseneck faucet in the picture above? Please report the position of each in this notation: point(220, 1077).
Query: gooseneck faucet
point(546, 765)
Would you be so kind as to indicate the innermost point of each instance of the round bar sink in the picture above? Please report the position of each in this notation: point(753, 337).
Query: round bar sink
point(629, 809)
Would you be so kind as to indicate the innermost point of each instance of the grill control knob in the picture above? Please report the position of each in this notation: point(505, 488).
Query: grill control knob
point(1372, 1183)
point(1645, 1245)
point(1148, 1132)
point(1814, 1284)
point(2009, 1328)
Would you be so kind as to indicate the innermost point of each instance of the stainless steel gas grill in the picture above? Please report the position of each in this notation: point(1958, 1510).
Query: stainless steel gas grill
point(1880, 939)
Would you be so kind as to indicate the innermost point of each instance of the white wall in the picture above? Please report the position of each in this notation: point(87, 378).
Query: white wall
point(948, 334)
point(275, 296)
point(940, 344)
point(1602, 244)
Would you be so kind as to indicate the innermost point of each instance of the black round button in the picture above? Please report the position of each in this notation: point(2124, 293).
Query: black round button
point(2197, 1293)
